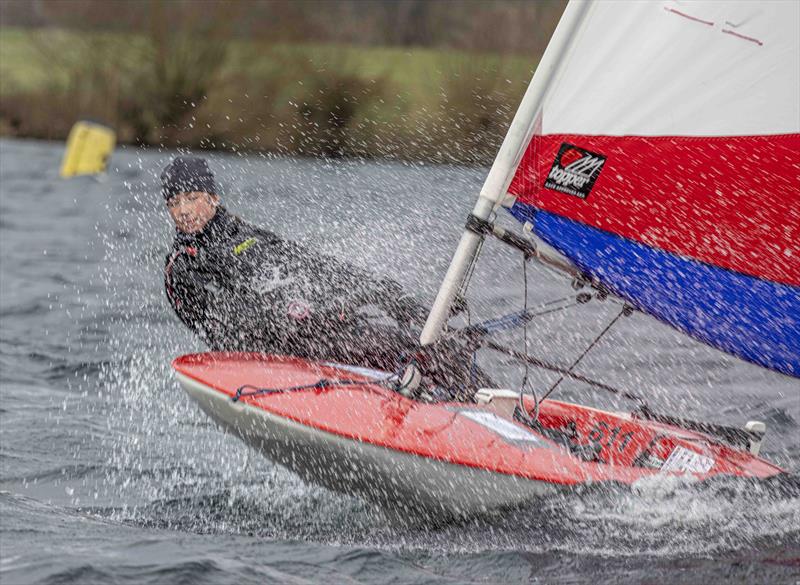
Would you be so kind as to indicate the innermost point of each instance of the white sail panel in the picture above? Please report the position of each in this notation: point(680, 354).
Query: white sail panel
point(689, 68)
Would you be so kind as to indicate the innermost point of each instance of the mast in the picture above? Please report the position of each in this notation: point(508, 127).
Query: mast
point(502, 171)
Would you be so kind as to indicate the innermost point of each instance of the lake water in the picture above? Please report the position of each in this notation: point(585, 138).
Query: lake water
point(108, 473)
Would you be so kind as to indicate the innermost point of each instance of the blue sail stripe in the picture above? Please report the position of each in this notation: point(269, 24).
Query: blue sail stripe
point(757, 320)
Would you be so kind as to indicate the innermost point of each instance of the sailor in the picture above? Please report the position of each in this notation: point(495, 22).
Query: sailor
point(243, 288)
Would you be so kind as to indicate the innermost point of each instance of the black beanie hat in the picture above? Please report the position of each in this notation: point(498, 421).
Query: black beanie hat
point(186, 174)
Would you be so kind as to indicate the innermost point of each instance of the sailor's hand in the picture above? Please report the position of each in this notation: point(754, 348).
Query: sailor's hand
point(446, 363)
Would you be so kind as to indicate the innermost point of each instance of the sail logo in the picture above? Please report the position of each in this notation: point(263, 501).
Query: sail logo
point(574, 171)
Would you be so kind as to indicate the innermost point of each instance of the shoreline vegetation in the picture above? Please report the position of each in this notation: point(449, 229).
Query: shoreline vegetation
point(178, 89)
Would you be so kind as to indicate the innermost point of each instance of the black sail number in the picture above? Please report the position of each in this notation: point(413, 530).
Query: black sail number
point(607, 436)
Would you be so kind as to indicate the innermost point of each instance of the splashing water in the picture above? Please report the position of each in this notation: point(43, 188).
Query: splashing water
point(107, 464)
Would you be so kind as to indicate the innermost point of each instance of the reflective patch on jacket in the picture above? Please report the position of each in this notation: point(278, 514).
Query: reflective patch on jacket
point(244, 245)
point(298, 309)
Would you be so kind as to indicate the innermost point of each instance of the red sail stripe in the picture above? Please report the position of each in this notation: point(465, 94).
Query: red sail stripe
point(729, 201)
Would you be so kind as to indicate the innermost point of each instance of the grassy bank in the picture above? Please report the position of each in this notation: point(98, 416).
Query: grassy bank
point(203, 92)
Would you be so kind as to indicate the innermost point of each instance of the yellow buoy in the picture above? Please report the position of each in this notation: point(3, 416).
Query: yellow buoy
point(89, 146)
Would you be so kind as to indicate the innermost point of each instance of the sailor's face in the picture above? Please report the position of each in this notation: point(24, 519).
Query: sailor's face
point(192, 211)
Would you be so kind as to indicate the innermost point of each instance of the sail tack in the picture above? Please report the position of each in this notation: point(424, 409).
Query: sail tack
point(665, 161)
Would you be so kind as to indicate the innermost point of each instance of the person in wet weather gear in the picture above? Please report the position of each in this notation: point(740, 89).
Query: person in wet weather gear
point(243, 288)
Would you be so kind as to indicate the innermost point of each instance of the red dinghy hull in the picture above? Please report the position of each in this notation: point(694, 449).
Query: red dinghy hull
point(450, 459)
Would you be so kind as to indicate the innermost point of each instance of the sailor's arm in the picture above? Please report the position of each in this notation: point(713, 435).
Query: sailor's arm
point(338, 279)
point(363, 287)
point(188, 296)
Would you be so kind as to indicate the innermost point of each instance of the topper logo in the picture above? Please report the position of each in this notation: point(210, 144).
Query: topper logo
point(574, 171)
point(569, 156)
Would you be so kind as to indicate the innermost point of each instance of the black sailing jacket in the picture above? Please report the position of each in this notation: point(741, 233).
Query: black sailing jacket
point(241, 288)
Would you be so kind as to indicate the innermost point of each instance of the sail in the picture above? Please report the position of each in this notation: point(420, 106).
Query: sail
point(664, 160)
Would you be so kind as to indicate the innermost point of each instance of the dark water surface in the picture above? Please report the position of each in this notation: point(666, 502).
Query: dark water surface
point(108, 474)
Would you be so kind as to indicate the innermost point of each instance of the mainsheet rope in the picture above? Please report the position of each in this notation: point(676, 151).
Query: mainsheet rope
point(625, 311)
point(515, 319)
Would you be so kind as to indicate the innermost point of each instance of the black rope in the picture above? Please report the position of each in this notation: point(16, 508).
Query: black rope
point(521, 406)
point(532, 316)
point(318, 385)
point(624, 311)
point(462, 290)
point(462, 293)
point(558, 369)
